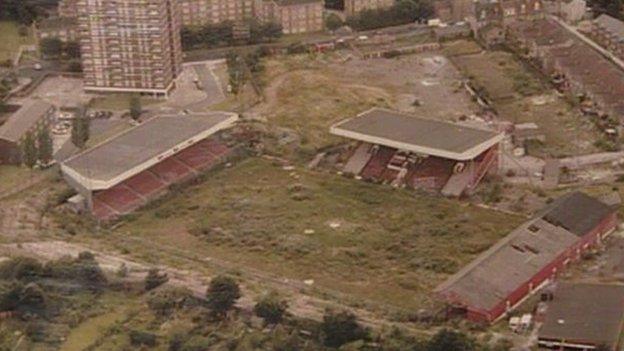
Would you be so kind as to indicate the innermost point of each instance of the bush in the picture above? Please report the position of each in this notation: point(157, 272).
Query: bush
point(333, 22)
point(341, 328)
point(450, 340)
point(154, 279)
point(21, 268)
point(83, 269)
point(165, 301)
point(271, 308)
point(142, 338)
point(222, 294)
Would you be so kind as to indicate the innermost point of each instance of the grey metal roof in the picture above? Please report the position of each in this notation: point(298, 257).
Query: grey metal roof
point(24, 119)
point(577, 212)
point(612, 25)
point(585, 313)
point(142, 143)
point(511, 262)
point(391, 127)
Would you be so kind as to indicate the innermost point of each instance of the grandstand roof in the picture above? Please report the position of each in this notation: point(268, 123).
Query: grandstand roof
point(140, 147)
point(514, 260)
point(406, 132)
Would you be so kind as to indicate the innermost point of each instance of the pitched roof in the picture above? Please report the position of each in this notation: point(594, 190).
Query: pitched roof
point(576, 212)
point(585, 313)
point(407, 132)
point(491, 277)
point(511, 262)
point(24, 120)
point(612, 25)
point(138, 148)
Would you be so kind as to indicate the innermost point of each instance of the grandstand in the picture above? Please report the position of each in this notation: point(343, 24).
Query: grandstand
point(125, 172)
point(405, 150)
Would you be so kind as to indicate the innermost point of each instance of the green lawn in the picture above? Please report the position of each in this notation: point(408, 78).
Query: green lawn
point(118, 102)
point(370, 242)
point(10, 40)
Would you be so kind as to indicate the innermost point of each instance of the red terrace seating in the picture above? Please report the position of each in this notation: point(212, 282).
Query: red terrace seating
point(132, 193)
point(214, 147)
point(145, 184)
point(102, 211)
point(120, 198)
point(377, 164)
point(435, 168)
point(171, 170)
point(197, 157)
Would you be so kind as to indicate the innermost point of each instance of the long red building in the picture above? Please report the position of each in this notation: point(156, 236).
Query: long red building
point(528, 258)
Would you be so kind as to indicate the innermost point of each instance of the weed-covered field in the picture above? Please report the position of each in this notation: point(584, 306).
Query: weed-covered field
point(371, 242)
point(10, 40)
point(520, 95)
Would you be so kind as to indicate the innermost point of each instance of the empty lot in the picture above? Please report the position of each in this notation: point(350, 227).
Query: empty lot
point(520, 95)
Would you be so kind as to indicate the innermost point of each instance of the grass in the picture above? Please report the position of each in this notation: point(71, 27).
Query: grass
point(10, 40)
point(521, 96)
point(118, 102)
point(308, 99)
point(87, 333)
point(500, 74)
point(13, 176)
point(370, 242)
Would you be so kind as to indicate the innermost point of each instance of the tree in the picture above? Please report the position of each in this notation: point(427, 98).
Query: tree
point(450, 340)
point(340, 328)
point(51, 47)
point(271, 308)
point(72, 49)
point(333, 21)
point(80, 129)
point(45, 147)
point(154, 279)
point(611, 7)
point(236, 72)
point(29, 150)
point(135, 107)
point(222, 294)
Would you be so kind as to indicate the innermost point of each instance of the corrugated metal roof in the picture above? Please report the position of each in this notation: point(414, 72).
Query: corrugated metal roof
point(585, 313)
point(514, 260)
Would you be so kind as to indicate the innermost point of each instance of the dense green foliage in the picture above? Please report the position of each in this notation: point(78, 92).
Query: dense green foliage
point(403, 12)
point(222, 295)
point(80, 128)
point(223, 34)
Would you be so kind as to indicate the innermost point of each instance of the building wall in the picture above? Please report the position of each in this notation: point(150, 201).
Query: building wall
point(66, 34)
point(353, 7)
point(9, 153)
point(202, 12)
point(301, 18)
point(548, 272)
point(129, 45)
point(67, 8)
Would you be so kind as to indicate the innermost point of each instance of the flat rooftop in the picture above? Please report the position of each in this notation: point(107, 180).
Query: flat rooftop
point(585, 314)
point(140, 147)
point(515, 259)
point(419, 135)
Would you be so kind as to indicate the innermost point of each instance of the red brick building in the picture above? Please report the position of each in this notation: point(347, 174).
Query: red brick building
point(528, 258)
